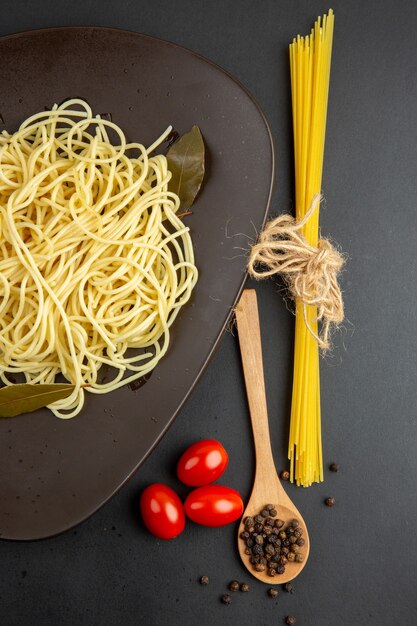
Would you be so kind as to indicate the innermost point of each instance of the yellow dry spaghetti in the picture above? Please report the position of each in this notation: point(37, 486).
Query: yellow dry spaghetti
point(310, 59)
point(93, 258)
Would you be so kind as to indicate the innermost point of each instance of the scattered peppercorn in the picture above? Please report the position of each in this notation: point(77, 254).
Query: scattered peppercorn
point(204, 580)
point(226, 599)
point(285, 475)
point(290, 620)
point(288, 588)
point(330, 502)
point(234, 585)
point(333, 467)
point(273, 593)
point(270, 543)
point(244, 587)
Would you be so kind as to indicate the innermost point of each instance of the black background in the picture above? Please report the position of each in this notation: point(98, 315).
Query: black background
point(362, 568)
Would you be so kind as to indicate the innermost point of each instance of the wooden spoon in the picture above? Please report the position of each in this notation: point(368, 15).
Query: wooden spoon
point(267, 488)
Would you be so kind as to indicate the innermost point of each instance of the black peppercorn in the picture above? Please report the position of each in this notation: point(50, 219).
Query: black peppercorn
point(273, 593)
point(330, 502)
point(204, 580)
point(290, 620)
point(299, 558)
point(270, 543)
point(226, 599)
point(244, 587)
point(234, 585)
point(333, 467)
point(285, 475)
point(288, 588)
point(269, 549)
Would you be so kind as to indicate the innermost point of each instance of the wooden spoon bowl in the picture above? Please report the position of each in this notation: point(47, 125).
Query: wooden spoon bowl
point(267, 488)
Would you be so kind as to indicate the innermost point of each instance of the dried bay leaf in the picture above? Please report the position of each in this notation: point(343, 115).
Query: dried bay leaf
point(186, 164)
point(17, 399)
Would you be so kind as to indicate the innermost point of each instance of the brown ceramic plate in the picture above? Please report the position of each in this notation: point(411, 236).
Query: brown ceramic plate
point(55, 473)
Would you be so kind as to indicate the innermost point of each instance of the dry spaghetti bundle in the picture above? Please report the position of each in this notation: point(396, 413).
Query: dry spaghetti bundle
point(291, 247)
point(310, 59)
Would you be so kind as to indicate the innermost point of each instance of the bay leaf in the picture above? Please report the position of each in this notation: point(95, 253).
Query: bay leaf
point(186, 164)
point(24, 398)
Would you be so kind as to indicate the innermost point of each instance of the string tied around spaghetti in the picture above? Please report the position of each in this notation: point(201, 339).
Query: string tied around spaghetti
point(310, 272)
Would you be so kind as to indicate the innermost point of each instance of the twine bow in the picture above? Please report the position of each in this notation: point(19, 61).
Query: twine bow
point(311, 273)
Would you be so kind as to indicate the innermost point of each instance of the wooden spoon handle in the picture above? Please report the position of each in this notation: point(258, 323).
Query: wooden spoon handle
point(251, 350)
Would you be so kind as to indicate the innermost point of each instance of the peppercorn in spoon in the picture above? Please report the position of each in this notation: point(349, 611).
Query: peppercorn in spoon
point(273, 540)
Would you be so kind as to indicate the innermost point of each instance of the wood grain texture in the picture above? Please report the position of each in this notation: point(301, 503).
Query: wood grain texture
point(267, 487)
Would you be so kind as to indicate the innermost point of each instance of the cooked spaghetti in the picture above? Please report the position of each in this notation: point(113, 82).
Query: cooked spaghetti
point(310, 59)
point(93, 257)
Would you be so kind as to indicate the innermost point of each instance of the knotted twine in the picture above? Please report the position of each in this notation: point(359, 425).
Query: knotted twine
point(310, 273)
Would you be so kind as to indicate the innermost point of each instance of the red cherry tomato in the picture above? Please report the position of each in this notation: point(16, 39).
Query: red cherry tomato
point(213, 505)
point(202, 463)
point(162, 511)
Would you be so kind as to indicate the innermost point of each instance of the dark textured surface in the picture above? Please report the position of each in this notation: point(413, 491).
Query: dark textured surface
point(362, 565)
